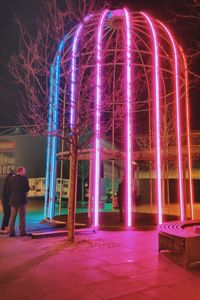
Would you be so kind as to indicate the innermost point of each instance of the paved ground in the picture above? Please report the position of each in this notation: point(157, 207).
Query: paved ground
point(105, 265)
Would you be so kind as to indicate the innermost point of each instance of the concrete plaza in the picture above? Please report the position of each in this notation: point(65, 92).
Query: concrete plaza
point(119, 265)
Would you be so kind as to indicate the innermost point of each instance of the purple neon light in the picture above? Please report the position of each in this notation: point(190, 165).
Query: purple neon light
point(178, 124)
point(129, 120)
point(191, 191)
point(97, 120)
point(157, 117)
point(73, 73)
point(73, 76)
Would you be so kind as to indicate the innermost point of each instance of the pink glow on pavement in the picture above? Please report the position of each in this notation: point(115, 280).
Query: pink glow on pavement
point(129, 121)
point(157, 118)
point(96, 194)
point(191, 191)
point(178, 124)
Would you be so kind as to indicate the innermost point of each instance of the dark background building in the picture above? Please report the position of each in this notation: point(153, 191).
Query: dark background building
point(30, 152)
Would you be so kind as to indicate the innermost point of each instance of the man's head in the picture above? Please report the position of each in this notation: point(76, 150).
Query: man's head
point(21, 170)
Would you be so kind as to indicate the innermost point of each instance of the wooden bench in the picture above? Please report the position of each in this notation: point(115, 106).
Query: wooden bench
point(180, 240)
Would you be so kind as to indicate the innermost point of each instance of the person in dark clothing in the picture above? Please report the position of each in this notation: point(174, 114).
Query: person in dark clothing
point(18, 186)
point(5, 204)
point(121, 190)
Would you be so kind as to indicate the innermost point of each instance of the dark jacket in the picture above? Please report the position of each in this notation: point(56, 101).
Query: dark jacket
point(5, 194)
point(18, 186)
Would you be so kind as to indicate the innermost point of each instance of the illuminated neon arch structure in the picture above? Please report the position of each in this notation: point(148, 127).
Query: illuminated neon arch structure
point(136, 59)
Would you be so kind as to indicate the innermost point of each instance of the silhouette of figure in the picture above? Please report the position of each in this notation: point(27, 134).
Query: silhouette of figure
point(5, 204)
point(18, 186)
point(121, 190)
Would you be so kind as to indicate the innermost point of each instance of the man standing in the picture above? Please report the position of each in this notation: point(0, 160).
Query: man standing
point(5, 204)
point(121, 194)
point(18, 186)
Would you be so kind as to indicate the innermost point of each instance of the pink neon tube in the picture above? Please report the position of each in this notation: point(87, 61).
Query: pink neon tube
point(178, 124)
point(157, 118)
point(97, 120)
point(188, 136)
point(129, 122)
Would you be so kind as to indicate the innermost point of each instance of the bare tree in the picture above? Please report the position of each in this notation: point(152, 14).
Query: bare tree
point(31, 69)
point(188, 18)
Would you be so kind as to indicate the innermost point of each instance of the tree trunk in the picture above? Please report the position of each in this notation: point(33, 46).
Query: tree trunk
point(72, 194)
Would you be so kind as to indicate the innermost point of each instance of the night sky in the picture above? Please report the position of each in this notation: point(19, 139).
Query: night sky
point(29, 10)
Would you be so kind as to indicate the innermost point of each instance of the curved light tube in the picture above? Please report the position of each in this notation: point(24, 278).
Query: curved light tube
point(157, 117)
point(73, 74)
point(178, 124)
point(97, 120)
point(49, 142)
point(54, 139)
point(54, 128)
point(191, 191)
point(129, 137)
